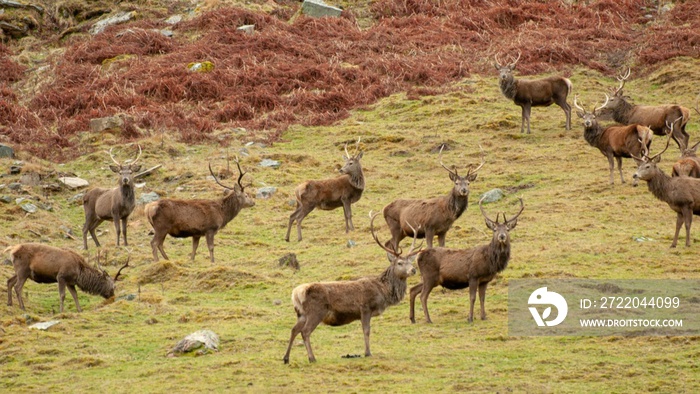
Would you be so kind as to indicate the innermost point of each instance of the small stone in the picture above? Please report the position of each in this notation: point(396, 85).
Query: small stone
point(6, 199)
point(14, 170)
point(29, 207)
point(148, 197)
point(206, 339)
point(166, 32)
point(77, 198)
point(492, 195)
point(15, 186)
point(289, 260)
point(270, 163)
point(174, 20)
point(121, 17)
point(74, 182)
point(107, 123)
point(247, 29)
point(266, 192)
point(318, 9)
point(44, 325)
point(277, 302)
point(351, 244)
point(6, 151)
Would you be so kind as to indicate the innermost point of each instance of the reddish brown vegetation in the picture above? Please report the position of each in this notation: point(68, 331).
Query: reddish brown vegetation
point(313, 71)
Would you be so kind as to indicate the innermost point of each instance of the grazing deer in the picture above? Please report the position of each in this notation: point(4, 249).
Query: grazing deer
point(434, 216)
point(689, 162)
point(656, 117)
point(340, 303)
point(681, 193)
point(329, 194)
point(49, 264)
point(533, 93)
point(111, 204)
point(614, 142)
point(456, 269)
point(196, 218)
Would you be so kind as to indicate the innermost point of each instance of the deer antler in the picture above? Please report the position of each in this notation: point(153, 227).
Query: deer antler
point(522, 207)
point(516, 60)
point(484, 212)
point(576, 104)
point(668, 140)
point(357, 148)
point(413, 244)
point(128, 257)
point(444, 166)
point(498, 62)
point(596, 109)
point(469, 171)
point(374, 235)
point(138, 156)
point(216, 179)
point(112, 157)
point(622, 79)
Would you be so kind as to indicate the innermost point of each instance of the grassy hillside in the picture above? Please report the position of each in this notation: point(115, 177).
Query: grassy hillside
point(575, 225)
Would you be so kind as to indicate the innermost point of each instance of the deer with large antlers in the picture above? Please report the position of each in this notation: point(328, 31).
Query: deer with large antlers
point(656, 117)
point(435, 216)
point(329, 194)
point(689, 162)
point(456, 269)
point(340, 303)
point(681, 193)
point(614, 142)
point(533, 93)
point(49, 264)
point(196, 218)
point(114, 204)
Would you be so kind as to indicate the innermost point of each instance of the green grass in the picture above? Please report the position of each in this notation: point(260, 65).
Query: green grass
point(574, 225)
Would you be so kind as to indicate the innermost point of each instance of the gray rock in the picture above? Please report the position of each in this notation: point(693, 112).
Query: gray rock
point(492, 195)
point(6, 199)
point(107, 123)
point(203, 341)
point(289, 260)
point(121, 17)
point(247, 29)
point(15, 186)
point(44, 325)
point(148, 197)
point(166, 32)
point(29, 207)
point(270, 163)
point(351, 244)
point(30, 179)
point(174, 20)
point(266, 192)
point(74, 182)
point(6, 151)
point(14, 170)
point(77, 197)
point(318, 9)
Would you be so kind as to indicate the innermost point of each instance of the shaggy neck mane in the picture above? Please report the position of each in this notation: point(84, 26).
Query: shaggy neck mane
point(127, 193)
point(508, 87)
point(396, 287)
point(91, 280)
point(659, 184)
point(457, 204)
point(621, 112)
point(230, 206)
point(357, 180)
point(499, 254)
point(592, 134)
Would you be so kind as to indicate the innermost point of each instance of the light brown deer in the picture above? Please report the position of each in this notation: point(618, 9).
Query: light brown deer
point(689, 162)
point(196, 218)
point(111, 204)
point(533, 93)
point(49, 264)
point(340, 303)
point(456, 269)
point(329, 194)
point(434, 216)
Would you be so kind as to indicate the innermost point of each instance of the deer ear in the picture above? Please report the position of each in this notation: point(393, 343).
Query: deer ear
point(657, 159)
point(511, 225)
point(472, 177)
point(391, 257)
point(114, 168)
point(580, 114)
point(359, 156)
point(490, 225)
point(453, 177)
point(497, 68)
point(136, 168)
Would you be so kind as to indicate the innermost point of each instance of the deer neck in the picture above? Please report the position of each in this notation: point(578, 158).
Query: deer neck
point(659, 185)
point(622, 112)
point(509, 87)
point(230, 207)
point(457, 204)
point(499, 254)
point(357, 179)
point(592, 134)
point(91, 280)
point(395, 287)
point(127, 192)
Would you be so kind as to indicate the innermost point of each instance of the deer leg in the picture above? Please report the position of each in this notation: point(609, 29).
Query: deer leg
point(567, 111)
point(619, 167)
point(429, 234)
point(611, 164)
point(473, 286)
point(301, 320)
point(415, 290)
point(292, 218)
point(424, 300)
point(124, 220)
point(18, 289)
point(347, 212)
point(157, 244)
point(61, 290)
point(210, 245)
point(74, 293)
point(312, 322)
point(441, 239)
point(195, 245)
point(300, 218)
point(482, 298)
point(365, 317)
point(679, 223)
point(116, 228)
point(90, 225)
point(526, 118)
point(688, 219)
point(10, 283)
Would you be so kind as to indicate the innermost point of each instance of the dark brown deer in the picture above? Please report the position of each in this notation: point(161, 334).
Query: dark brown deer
point(689, 162)
point(533, 93)
point(49, 264)
point(456, 269)
point(434, 216)
point(111, 204)
point(340, 303)
point(329, 194)
point(196, 218)
point(656, 117)
point(614, 142)
point(681, 193)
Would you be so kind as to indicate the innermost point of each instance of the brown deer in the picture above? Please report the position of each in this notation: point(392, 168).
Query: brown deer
point(196, 218)
point(456, 269)
point(340, 303)
point(111, 204)
point(689, 162)
point(656, 117)
point(614, 142)
point(434, 216)
point(681, 193)
point(329, 194)
point(49, 264)
point(533, 93)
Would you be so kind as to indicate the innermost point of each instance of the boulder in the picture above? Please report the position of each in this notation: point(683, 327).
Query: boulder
point(200, 342)
point(492, 195)
point(266, 192)
point(73, 182)
point(145, 198)
point(247, 29)
point(270, 163)
point(6, 151)
point(108, 123)
point(120, 17)
point(318, 9)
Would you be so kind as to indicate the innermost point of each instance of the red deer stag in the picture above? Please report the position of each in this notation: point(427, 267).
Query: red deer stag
point(435, 216)
point(681, 193)
point(196, 218)
point(654, 116)
point(533, 93)
point(689, 162)
point(48, 264)
point(614, 142)
point(340, 303)
point(456, 269)
point(111, 204)
point(329, 194)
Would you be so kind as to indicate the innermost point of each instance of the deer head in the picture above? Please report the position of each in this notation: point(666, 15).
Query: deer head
point(125, 171)
point(238, 189)
point(505, 70)
point(589, 118)
point(461, 183)
point(352, 162)
point(500, 230)
point(396, 257)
